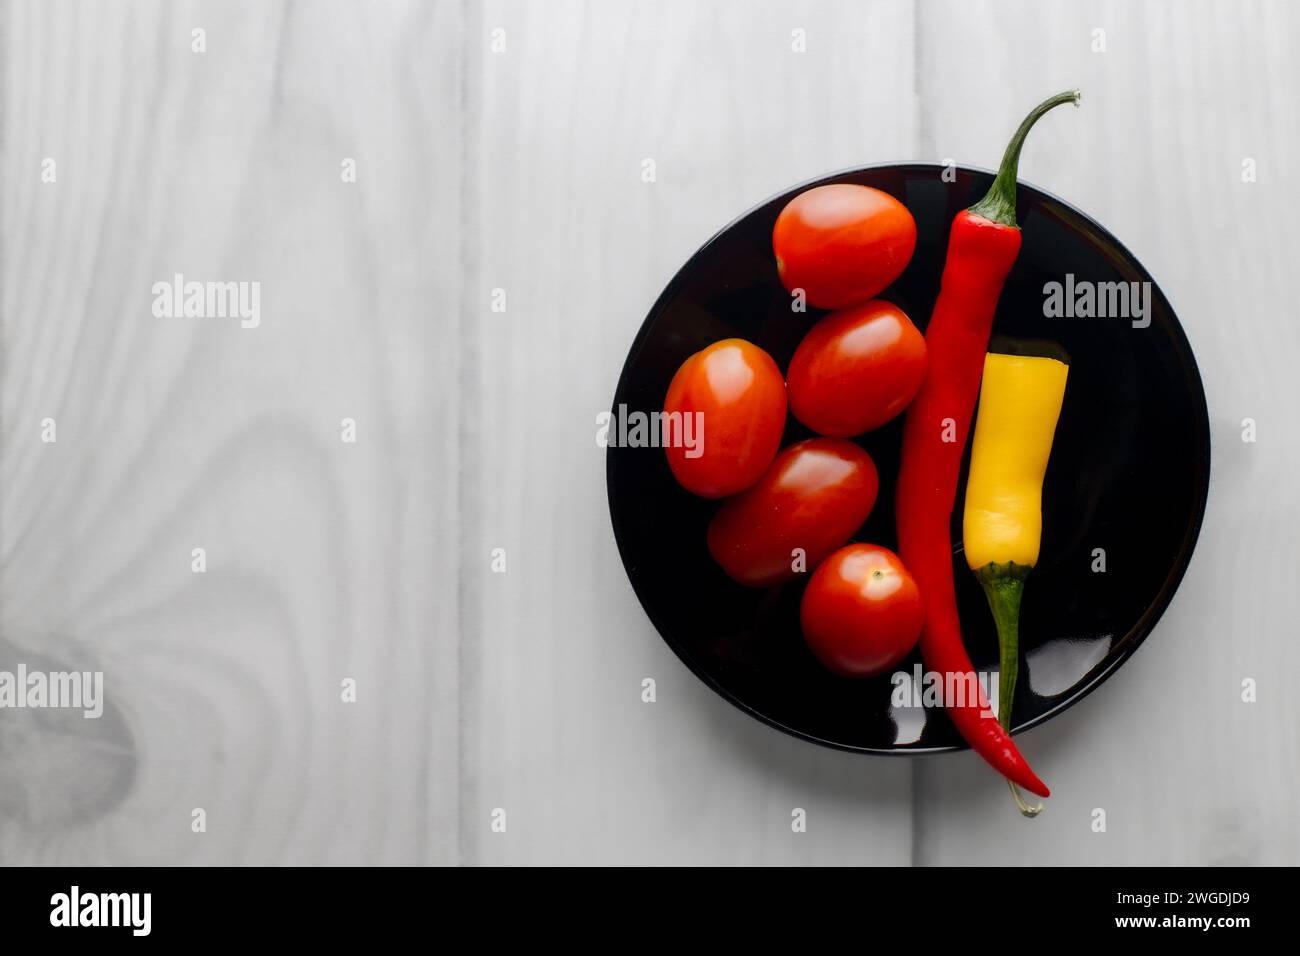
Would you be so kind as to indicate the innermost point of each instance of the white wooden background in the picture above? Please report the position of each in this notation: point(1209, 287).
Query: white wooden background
point(520, 170)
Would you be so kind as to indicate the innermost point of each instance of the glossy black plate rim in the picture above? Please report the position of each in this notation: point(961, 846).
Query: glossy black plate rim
point(1140, 630)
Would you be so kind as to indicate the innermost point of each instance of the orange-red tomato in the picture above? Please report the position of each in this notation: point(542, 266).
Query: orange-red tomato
point(842, 244)
point(735, 396)
point(814, 497)
point(856, 369)
point(862, 611)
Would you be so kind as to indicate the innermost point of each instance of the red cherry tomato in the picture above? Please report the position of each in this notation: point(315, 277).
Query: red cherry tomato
point(842, 244)
point(815, 495)
point(862, 611)
point(856, 369)
point(734, 395)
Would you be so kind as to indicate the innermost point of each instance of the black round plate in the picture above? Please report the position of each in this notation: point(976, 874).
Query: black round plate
point(1127, 481)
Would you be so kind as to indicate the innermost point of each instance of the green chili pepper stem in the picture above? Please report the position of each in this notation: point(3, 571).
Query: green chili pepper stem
point(1025, 809)
point(1004, 586)
point(999, 204)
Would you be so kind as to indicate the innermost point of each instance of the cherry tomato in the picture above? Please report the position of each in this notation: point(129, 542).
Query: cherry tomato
point(862, 611)
point(734, 395)
point(842, 244)
point(813, 497)
point(856, 369)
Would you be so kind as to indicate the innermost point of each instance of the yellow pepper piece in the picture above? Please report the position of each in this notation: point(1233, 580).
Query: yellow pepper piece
point(1020, 401)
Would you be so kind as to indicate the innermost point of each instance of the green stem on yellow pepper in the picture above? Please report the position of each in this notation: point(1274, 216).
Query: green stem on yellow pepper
point(1004, 586)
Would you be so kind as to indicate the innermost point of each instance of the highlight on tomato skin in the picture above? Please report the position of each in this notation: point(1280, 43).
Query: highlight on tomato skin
point(856, 369)
point(842, 244)
point(862, 611)
point(734, 395)
point(811, 500)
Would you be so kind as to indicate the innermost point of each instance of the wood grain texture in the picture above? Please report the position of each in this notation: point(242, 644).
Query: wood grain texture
point(224, 688)
point(583, 94)
point(1187, 772)
point(520, 170)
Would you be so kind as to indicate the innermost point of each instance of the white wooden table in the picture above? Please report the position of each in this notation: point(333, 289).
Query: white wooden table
point(482, 168)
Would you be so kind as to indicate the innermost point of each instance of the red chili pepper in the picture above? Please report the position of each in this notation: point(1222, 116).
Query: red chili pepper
point(982, 247)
